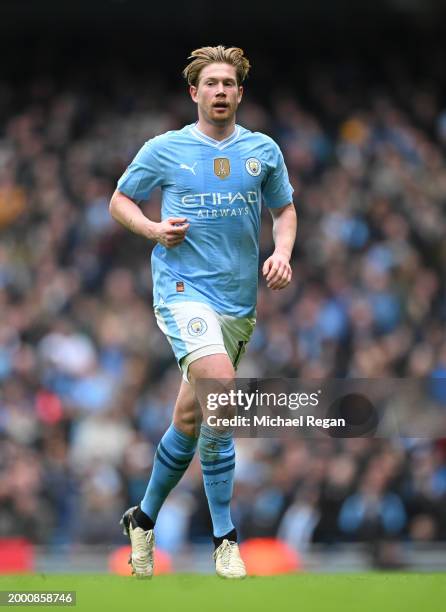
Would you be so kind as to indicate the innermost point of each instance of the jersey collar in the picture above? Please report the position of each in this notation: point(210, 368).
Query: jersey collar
point(218, 144)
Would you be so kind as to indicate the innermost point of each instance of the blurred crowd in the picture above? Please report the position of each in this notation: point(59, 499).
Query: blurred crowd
point(88, 382)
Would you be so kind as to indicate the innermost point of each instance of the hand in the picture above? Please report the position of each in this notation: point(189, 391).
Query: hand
point(277, 271)
point(171, 232)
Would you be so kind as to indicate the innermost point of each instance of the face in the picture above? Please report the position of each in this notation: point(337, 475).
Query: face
point(217, 93)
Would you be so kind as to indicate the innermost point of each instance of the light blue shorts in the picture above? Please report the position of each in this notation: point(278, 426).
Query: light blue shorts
point(195, 330)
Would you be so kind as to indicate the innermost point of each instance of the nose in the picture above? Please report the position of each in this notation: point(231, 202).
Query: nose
point(220, 88)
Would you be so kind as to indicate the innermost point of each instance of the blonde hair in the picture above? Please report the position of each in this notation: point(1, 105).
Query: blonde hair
point(208, 55)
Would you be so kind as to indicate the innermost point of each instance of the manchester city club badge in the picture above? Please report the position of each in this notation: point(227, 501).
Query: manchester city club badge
point(197, 326)
point(253, 166)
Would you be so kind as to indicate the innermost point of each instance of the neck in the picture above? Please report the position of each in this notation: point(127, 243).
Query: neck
point(217, 132)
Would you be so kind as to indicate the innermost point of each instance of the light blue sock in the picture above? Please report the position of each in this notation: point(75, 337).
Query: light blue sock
point(217, 458)
point(172, 458)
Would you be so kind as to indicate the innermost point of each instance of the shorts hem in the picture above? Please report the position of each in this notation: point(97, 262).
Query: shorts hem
point(202, 351)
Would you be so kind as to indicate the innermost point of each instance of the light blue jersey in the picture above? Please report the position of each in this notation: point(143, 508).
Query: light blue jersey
point(218, 186)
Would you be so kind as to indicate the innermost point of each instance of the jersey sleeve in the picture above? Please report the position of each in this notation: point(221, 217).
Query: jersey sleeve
point(144, 174)
point(276, 189)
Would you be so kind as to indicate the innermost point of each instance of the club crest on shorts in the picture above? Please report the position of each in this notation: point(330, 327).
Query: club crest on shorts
point(253, 166)
point(222, 167)
point(197, 326)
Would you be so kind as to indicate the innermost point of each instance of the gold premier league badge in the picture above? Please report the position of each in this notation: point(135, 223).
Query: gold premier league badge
point(222, 167)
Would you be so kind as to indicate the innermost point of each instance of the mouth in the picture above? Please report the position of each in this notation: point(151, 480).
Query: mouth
point(220, 106)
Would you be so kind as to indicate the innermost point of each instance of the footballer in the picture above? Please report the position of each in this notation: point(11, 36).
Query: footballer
point(214, 176)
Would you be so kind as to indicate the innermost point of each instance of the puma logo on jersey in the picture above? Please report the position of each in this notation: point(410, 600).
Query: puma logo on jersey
point(191, 168)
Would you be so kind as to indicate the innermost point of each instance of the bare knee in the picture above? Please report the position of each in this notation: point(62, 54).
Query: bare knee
point(213, 376)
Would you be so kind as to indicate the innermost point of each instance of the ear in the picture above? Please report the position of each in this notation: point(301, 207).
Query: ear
point(193, 93)
point(240, 93)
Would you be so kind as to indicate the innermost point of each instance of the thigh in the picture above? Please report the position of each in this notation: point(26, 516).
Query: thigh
point(211, 376)
point(211, 367)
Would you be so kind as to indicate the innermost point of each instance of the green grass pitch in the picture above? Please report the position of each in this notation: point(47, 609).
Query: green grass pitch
point(368, 592)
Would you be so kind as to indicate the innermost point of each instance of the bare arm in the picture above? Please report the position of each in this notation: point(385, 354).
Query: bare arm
point(284, 229)
point(125, 211)
point(277, 269)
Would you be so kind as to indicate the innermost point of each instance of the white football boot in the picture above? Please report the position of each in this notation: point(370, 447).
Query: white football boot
point(143, 545)
point(228, 562)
